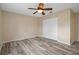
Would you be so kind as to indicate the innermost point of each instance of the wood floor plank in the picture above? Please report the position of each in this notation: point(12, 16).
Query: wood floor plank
point(39, 46)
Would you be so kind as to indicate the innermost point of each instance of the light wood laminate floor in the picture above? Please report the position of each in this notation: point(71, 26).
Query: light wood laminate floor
point(39, 46)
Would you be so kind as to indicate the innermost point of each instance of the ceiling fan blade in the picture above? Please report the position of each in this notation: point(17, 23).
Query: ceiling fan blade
point(47, 8)
point(35, 12)
point(32, 8)
point(43, 13)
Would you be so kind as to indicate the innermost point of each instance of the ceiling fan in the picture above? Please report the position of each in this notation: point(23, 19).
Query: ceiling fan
point(40, 9)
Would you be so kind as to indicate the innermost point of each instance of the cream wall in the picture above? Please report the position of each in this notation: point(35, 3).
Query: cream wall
point(18, 27)
point(0, 30)
point(63, 25)
point(67, 25)
point(73, 27)
point(77, 17)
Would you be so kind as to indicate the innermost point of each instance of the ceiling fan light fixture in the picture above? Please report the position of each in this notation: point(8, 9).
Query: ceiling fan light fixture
point(40, 11)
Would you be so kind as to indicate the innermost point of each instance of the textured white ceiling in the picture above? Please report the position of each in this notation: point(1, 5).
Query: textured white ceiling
point(22, 8)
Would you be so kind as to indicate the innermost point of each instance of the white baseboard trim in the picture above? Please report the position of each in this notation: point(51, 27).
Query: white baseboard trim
point(77, 40)
point(63, 42)
point(34, 37)
point(58, 41)
point(19, 39)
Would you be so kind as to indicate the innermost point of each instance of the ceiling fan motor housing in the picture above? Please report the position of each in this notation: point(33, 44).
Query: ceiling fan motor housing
point(41, 6)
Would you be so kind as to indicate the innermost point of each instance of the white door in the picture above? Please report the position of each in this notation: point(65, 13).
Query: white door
point(50, 28)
